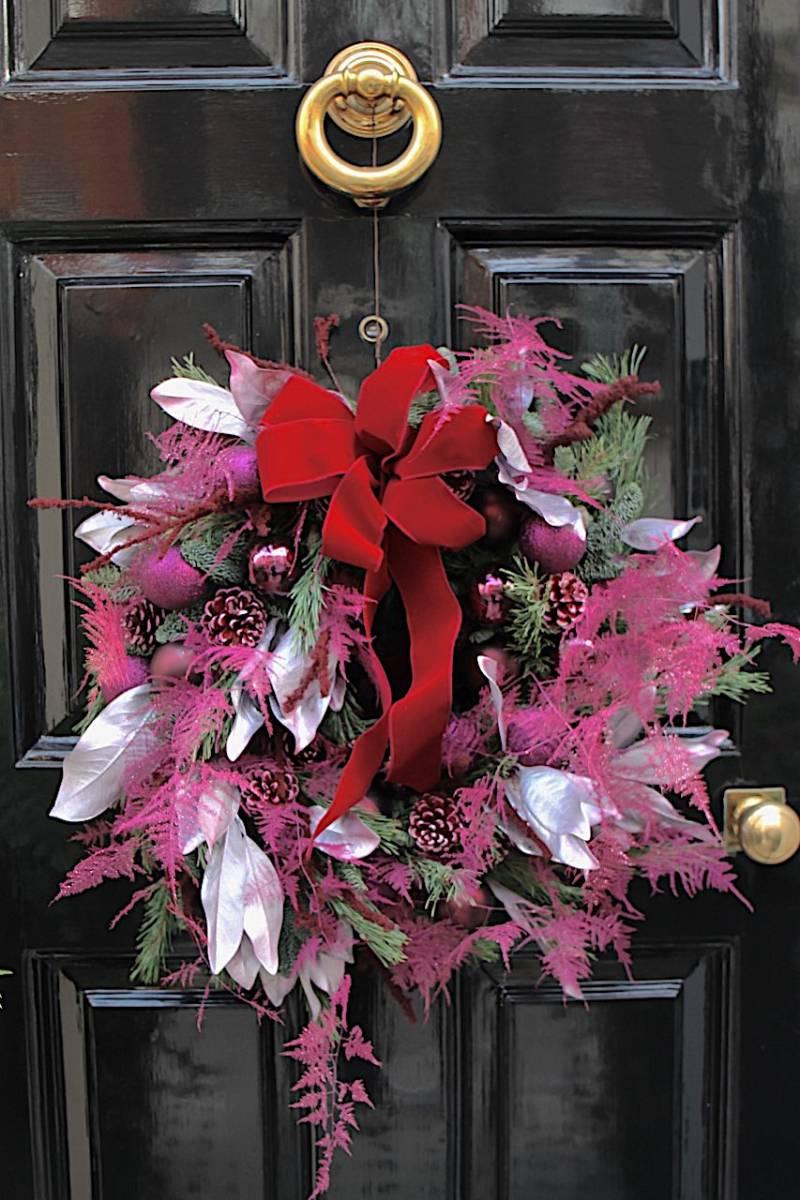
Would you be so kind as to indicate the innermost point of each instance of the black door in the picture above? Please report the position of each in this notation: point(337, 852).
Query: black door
point(627, 165)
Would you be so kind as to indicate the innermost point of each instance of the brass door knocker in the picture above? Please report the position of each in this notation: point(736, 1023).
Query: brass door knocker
point(370, 90)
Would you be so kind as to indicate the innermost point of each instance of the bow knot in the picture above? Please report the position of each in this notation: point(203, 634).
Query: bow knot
point(391, 514)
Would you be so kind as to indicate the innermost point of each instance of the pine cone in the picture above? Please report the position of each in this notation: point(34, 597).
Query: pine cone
point(567, 596)
point(268, 783)
point(141, 621)
point(235, 617)
point(434, 824)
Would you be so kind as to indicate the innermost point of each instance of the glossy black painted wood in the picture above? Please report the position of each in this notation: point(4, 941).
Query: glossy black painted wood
point(627, 165)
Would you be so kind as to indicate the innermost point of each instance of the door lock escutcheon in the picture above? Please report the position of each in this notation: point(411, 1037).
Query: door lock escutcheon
point(760, 823)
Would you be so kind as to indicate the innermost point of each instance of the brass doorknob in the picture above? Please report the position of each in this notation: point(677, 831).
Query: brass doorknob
point(761, 823)
point(370, 90)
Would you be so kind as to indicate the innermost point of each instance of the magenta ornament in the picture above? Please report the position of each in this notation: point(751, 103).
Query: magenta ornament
point(555, 548)
point(171, 661)
point(270, 567)
point(167, 579)
point(238, 470)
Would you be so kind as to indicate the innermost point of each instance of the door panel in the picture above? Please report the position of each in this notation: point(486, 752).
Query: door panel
point(625, 166)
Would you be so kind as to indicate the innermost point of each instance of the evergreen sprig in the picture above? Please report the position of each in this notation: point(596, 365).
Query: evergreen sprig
point(307, 597)
point(154, 939)
point(202, 542)
point(608, 368)
point(344, 726)
point(187, 368)
point(393, 834)
point(437, 880)
point(528, 608)
point(387, 942)
point(737, 679)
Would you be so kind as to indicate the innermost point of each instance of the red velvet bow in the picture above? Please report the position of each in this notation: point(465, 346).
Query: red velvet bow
point(391, 514)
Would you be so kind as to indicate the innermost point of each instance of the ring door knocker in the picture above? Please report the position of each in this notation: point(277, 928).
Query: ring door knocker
point(370, 90)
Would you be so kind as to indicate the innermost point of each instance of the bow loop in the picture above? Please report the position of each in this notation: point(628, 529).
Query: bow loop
point(390, 514)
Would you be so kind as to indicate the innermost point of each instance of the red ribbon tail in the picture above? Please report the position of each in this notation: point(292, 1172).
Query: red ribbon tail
point(417, 722)
point(368, 749)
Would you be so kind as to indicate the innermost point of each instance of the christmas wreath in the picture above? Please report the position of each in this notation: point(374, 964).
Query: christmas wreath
point(412, 675)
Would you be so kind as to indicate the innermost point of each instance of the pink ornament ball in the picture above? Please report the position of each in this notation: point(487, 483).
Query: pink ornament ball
point(167, 580)
point(134, 673)
point(238, 471)
point(555, 548)
point(470, 908)
point(171, 661)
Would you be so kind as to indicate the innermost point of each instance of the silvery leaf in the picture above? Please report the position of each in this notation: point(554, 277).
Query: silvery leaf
point(253, 388)
point(647, 762)
point(517, 907)
point(263, 906)
point(488, 668)
point(247, 721)
point(204, 817)
point(559, 808)
point(651, 533)
point(287, 668)
point(707, 560)
point(248, 717)
point(511, 453)
point(347, 838)
point(222, 894)
point(243, 967)
point(105, 531)
point(277, 987)
point(633, 820)
point(131, 489)
point(202, 406)
point(93, 772)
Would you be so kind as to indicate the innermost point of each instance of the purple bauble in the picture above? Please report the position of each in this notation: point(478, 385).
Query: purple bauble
point(171, 661)
point(134, 672)
point(555, 548)
point(167, 580)
point(237, 468)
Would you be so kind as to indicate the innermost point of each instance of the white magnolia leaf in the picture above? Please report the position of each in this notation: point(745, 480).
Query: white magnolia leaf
point(253, 388)
point(106, 531)
point(347, 838)
point(707, 560)
point(287, 668)
point(206, 816)
point(247, 721)
point(223, 896)
point(649, 762)
point(277, 987)
point(513, 470)
point(244, 966)
point(652, 803)
point(488, 668)
point(248, 717)
point(559, 808)
point(131, 489)
point(202, 406)
point(263, 906)
point(651, 533)
point(93, 772)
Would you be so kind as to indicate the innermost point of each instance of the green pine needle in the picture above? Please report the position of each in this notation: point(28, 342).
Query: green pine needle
point(392, 832)
point(437, 880)
point(608, 368)
point(154, 940)
point(526, 626)
point(737, 680)
point(308, 594)
point(386, 944)
point(344, 726)
point(202, 541)
point(187, 368)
